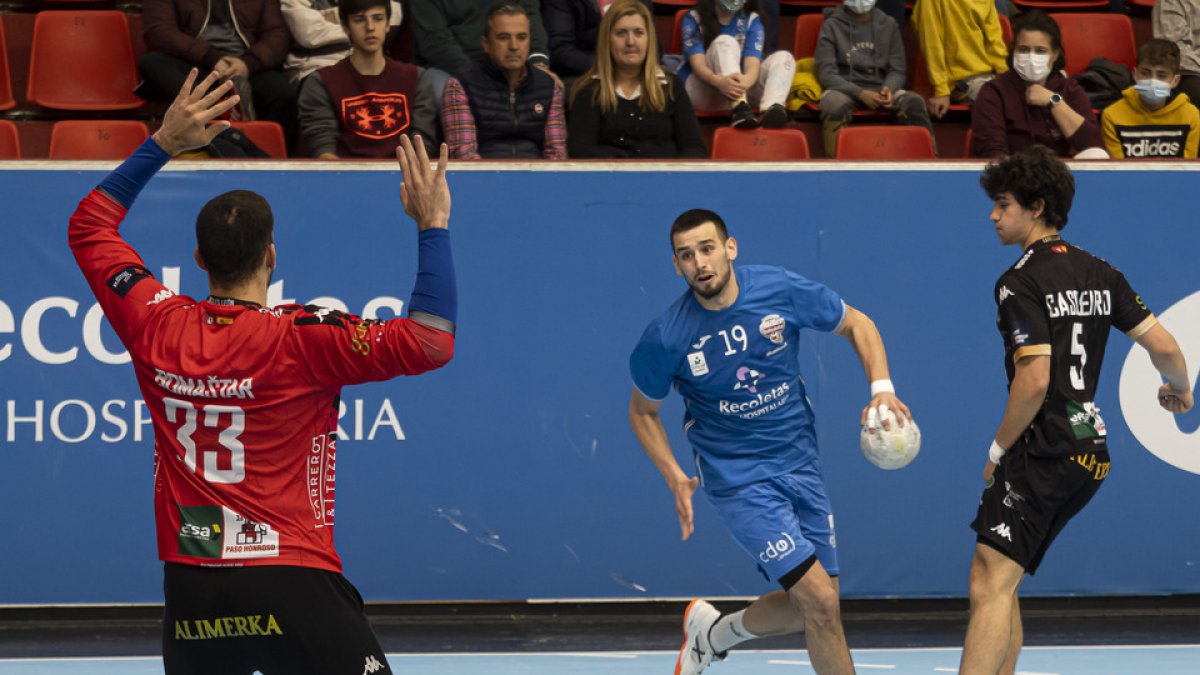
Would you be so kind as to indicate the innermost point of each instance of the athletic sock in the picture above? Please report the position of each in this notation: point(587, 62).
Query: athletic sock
point(729, 631)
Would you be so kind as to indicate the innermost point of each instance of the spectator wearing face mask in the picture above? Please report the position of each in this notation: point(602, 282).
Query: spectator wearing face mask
point(1034, 103)
point(860, 63)
point(1152, 119)
point(725, 69)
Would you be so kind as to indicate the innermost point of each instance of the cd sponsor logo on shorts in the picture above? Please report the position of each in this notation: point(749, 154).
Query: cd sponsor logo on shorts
point(778, 549)
point(1171, 438)
point(252, 625)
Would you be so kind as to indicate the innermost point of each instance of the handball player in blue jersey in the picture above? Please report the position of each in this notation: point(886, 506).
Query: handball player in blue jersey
point(730, 346)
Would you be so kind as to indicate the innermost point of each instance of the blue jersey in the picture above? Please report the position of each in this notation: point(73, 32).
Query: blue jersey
point(745, 27)
point(748, 417)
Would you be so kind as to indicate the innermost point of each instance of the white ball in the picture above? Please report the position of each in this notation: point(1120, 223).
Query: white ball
point(894, 448)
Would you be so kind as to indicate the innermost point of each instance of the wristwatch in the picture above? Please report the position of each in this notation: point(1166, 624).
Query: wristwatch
point(1055, 99)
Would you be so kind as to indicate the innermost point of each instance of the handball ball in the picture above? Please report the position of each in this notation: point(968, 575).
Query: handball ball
point(891, 448)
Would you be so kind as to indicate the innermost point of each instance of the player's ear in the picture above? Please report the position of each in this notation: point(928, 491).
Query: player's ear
point(675, 262)
point(731, 248)
point(199, 260)
point(270, 257)
point(1038, 210)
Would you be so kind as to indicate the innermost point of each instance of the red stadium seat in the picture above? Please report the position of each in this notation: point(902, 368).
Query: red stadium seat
point(808, 29)
point(674, 3)
point(96, 139)
point(266, 135)
point(970, 138)
point(763, 145)
point(675, 46)
point(10, 143)
point(1086, 36)
point(6, 95)
point(884, 142)
point(1145, 4)
point(82, 60)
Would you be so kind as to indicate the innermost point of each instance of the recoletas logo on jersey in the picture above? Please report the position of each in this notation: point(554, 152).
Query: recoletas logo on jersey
point(373, 115)
point(1173, 439)
point(771, 327)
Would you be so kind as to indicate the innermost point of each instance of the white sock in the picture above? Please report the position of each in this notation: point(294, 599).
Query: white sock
point(729, 631)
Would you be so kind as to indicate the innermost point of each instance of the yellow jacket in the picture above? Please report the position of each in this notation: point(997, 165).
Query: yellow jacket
point(1132, 130)
point(959, 38)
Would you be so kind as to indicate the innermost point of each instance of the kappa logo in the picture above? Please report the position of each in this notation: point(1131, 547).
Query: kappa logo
point(1171, 438)
point(372, 665)
point(1003, 530)
point(1004, 295)
point(160, 296)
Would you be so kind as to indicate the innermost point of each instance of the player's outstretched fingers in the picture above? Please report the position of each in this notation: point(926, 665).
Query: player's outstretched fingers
point(402, 151)
point(206, 103)
point(443, 161)
point(883, 417)
point(872, 419)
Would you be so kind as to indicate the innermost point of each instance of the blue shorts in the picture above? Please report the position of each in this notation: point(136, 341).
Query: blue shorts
point(784, 523)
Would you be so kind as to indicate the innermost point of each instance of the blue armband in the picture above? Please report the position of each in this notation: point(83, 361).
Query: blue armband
point(435, 291)
point(127, 180)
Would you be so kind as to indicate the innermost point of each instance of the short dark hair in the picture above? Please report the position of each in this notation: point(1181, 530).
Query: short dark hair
point(506, 8)
point(348, 8)
point(1039, 21)
point(1159, 52)
point(690, 220)
point(233, 232)
point(1031, 176)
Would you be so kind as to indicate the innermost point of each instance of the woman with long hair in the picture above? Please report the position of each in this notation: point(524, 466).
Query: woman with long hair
point(723, 43)
point(626, 105)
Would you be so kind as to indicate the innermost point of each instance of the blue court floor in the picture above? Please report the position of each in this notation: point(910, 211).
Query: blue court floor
point(1092, 660)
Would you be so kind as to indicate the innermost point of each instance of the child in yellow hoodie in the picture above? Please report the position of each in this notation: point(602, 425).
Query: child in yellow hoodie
point(1150, 120)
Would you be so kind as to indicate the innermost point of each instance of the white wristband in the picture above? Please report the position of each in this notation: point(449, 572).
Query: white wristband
point(996, 453)
point(880, 386)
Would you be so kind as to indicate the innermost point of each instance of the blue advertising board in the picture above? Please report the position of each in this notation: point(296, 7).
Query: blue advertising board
point(512, 472)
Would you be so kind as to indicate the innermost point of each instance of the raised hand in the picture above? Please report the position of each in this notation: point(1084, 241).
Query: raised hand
point(186, 123)
point(424, 192)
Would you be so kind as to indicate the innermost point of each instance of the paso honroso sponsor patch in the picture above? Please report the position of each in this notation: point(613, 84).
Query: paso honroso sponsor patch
point(220, 533)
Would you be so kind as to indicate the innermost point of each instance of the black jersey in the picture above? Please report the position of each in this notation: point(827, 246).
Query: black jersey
point(1059, 300)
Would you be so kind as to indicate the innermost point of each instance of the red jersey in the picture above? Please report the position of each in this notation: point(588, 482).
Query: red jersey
point(244, 401)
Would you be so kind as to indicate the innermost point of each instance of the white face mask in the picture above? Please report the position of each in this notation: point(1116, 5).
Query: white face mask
point(731, 5)
point(860, 6)
point(1032, 67)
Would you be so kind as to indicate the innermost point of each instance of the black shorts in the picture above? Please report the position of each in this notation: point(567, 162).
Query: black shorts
point(276, 620)
point(1033, 498)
